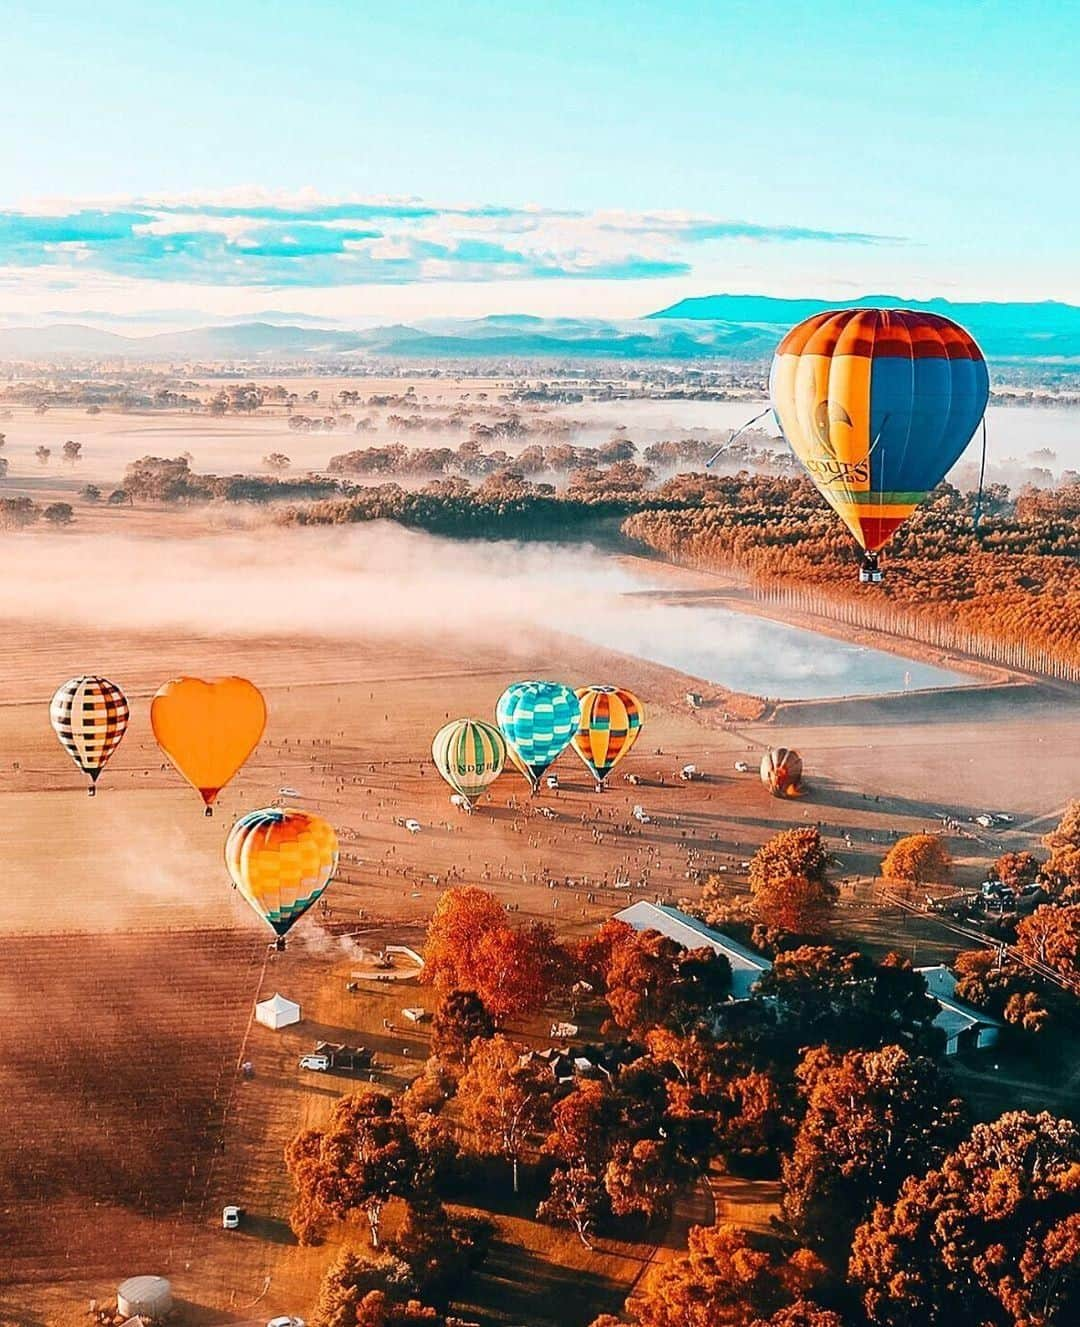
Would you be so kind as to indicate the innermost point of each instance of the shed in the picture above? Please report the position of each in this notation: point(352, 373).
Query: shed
point(277, 1012)
point(145, 1296)
point(746, 966)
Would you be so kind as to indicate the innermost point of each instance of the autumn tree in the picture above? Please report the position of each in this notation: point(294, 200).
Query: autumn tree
point(986, 979)
point(653, 981)
point(728, 1277)
point(72, 451)
point(992, 1235)
point(441, 1250)
point(1064, 844)
point(363, 1158)
point(504, 1096)
point(594, 953)
point(793, 852)
point(640, 1177)
point(1017, 869)
point(1051, 936)
point(586, 1123)
point(795, 904)
point(821, 996)
point(459, 1018)
point(575, 1199)
point(43, 453)
point(350, 1279)
point(872, 1118)
point(917, 859)
point(470, 947)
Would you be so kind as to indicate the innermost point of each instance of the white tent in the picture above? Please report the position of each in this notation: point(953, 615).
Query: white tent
point(277, 1012)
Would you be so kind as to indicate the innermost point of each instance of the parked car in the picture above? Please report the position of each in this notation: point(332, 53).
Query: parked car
point(741, 767)
point(552, 781)
point(317, 1063)
point(413, 826)
point(286, 1321)
point(230, 1217)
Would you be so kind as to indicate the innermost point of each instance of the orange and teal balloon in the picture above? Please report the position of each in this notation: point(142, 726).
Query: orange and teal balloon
point(281, 861)
point(878, 405)
point(611, 720)
point(470, 755)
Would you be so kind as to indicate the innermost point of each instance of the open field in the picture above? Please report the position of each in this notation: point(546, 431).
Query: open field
point(134, 967)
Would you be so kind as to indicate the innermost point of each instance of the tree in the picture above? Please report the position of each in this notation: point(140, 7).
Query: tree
point(988, 980)
point(1051, 936)
point(90, 493)
point(4, 467)
point(594, 953)
point(992, 1235)
point(276, 461)
point(1064, 844)
point(872, 1119)
point(640, 1177)
point(728, 1277)
point(585, 1125)
point(795, 904)
point(517, 968)
point(18, 513)
point(59, 513)
point(575, 1199)
point(653, 981)
point(119, 496)
point(363, 1158)
point(440, 1250)
point(462, 917)
point(72, 451)
point(504, 1096)
point(42, 454)
point(459, 1018)
point(821, 996)
point(917, 859)
point(793, 852)
point(1017, 869)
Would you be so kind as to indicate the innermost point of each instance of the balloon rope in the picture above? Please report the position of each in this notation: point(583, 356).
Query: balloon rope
point(982, 475)
point(741, 429)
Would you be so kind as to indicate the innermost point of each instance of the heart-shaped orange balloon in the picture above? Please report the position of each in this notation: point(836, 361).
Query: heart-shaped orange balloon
point(208, 729)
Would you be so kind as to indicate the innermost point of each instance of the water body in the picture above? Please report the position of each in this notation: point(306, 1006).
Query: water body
point(765, 658)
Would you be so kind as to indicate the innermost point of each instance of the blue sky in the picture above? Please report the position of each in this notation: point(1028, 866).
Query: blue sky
point(359, 160)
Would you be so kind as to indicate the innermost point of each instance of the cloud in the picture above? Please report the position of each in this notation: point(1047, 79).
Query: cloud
point(255, 239)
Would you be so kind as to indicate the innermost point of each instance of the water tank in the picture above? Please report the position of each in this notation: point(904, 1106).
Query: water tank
point(148, 1296)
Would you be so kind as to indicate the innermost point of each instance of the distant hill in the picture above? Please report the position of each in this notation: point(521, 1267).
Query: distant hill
point(1005, 331)
point(739, 327)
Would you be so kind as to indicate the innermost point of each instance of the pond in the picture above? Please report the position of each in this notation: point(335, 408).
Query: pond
point(765, 658)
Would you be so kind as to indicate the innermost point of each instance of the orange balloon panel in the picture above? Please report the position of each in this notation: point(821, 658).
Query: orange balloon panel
point(208, 729)
point(281, 860)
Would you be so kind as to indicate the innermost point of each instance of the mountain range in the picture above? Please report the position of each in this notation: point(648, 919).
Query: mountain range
point(739, 327)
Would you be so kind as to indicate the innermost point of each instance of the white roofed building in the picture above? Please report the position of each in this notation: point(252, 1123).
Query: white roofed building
point(746, 966)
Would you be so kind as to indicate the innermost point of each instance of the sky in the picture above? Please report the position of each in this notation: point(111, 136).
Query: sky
point(358, 161)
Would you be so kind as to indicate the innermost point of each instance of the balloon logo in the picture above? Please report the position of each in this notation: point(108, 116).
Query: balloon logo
point(470, 755)
point(90, 716)
point(877, 405)
point(538, 720)
point(610, 724)
point(781, 771)
point(281, 861)
point(208, 729)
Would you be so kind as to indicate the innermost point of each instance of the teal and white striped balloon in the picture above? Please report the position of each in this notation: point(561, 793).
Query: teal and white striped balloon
point(538, 720)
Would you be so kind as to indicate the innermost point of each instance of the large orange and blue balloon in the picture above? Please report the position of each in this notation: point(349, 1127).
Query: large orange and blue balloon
point(878, 405)
point(281, 861)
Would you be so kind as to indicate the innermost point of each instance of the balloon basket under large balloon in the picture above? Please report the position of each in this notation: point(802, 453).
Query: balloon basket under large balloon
point(209, 811)
point(92, 790)
point(869, 571)
point(279, 945)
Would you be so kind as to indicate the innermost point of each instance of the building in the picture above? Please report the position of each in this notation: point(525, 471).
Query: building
point(965, 1028)
point(746, 966)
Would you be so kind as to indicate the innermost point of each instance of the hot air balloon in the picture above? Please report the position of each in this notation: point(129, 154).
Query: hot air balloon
point(538, 719)
point(90, 716)
point(610, 722)
point(878, 405)
point(208, 729)
point(781, 771)
point(470, 755)
point(281, 860)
